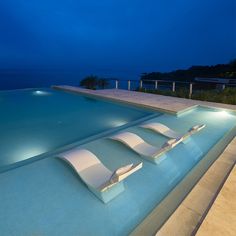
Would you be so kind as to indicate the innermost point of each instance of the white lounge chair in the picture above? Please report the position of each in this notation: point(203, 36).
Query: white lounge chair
point(97, 176)
point(137, 144)
point(166, 131)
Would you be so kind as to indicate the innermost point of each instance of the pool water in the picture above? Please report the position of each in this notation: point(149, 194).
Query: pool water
point(34, 122)
point(46, 197)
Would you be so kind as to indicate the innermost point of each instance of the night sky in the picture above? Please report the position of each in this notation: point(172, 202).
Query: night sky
point(129, 36)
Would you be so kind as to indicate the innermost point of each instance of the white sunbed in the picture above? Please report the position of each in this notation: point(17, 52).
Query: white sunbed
point(166, 131)
point(95, 175)
point(137, 144)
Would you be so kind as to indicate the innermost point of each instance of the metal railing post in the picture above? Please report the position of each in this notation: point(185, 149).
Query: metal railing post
point(173, 87)
point(156, 84)
point(141, 84)
point(117, 84)
point(190, 90)
point(128, 84)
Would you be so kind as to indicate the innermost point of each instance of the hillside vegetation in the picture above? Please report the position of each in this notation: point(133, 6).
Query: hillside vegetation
point(216, 71)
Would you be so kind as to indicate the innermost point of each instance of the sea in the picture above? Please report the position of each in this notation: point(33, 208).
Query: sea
point(19, 78)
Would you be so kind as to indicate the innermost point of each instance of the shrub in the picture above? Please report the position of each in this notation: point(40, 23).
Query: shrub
point(93, 82)
point(89, 82)
point(227, 95)
point(102, 83)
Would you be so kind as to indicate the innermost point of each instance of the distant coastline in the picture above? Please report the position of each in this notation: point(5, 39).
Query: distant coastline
point(216, 71)
point(29, 78)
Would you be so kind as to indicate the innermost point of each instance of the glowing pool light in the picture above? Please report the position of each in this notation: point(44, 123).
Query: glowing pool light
point(116, 123)
point(40, 93)
point(28, 151)
point(222, 113)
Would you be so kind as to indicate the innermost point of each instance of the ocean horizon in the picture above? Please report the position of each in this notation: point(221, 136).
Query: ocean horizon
point(35, 78)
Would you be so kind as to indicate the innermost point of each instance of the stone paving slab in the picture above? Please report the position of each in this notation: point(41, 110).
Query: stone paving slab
point(221, 219)
point(166, 103)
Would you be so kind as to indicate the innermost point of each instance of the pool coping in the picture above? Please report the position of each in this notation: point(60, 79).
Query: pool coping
point(186, 218)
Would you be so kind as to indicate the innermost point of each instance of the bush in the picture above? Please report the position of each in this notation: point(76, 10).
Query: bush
point(93, 82)
point(227, 95)
point(102, 83)
point(89, 82)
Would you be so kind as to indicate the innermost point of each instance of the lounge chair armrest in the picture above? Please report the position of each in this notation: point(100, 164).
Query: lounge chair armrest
point(196, 128)
point(170, 143)
point(123, 172)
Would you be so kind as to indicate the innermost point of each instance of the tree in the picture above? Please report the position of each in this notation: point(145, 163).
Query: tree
point(102, 83)
point(233, 63)
point(89, 82)
point(215, 71)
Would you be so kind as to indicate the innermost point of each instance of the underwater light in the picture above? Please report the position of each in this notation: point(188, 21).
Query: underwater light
point(223, 113)
point(116, 123)
point(38, 92)
point(25, 152)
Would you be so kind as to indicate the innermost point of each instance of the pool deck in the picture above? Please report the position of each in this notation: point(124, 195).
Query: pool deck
point(221, 219)
point(160, 102)
point(190, 214)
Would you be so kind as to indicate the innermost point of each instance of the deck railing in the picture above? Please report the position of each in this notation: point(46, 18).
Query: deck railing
point(167, 85)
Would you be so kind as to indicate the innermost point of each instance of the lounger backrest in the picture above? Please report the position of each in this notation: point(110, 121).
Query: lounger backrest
point(96, 175)
point(162, 128)
point(146, 149)
point(81, 159)
point(88, 166)
point(129, 139)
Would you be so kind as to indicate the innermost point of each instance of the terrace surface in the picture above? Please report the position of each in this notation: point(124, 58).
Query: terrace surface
point(160, 102)
point(221, 219)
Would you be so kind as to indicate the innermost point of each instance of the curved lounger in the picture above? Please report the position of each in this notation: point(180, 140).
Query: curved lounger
point(166, 131)
point(103, 182)
point(137, 144)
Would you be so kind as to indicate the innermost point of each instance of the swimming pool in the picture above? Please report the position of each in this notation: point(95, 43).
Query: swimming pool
point(46, 197)
point(34, 122)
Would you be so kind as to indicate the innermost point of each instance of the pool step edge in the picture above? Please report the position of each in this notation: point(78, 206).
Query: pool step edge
point(187, 216)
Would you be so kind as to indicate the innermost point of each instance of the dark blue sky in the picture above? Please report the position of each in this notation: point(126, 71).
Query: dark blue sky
point(129, 36)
